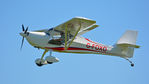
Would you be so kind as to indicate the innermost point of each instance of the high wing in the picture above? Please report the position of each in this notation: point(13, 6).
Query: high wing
point(75, 26)
point(79, 33)
point(87, 29)
point(72, 28)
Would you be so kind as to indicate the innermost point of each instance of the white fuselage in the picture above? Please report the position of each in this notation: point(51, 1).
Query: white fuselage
point(79, 45)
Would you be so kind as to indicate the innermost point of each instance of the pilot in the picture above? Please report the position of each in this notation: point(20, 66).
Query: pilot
point(62, 37)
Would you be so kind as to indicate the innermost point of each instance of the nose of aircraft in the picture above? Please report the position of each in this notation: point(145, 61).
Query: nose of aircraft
point(22, 34)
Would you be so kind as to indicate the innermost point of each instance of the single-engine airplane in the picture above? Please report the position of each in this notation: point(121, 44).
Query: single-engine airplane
point(67, 38)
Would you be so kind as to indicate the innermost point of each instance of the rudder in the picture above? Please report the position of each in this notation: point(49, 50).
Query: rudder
point(127, 43)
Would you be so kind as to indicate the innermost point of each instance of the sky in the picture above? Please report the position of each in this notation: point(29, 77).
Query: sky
point(114, 18)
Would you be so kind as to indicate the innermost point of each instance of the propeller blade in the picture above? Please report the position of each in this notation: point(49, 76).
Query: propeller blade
point(26, 30)
point(23, 27)
point(22, 43)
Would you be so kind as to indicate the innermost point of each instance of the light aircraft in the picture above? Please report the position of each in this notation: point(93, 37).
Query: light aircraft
point(66, 38)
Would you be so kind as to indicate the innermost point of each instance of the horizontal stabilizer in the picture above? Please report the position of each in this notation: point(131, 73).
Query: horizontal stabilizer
point(128, 45)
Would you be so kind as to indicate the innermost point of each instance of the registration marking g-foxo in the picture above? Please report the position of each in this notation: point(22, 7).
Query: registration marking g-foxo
point(97, 47)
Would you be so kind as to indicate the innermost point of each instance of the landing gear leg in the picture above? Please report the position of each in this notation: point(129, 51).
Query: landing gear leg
point(50, 55)
point(50, 59)
point(132, 64)
point(41, 61)
point(44, 54)
point(50, 52)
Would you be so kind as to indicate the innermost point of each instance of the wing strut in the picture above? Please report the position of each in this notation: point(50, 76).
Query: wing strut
point(65, 37)
point(66, 47)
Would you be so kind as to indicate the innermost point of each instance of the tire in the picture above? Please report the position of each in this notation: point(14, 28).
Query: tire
point(39, 64)
point(49, 62)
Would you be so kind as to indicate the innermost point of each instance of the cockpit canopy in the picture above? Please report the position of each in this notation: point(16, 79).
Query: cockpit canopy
point(53, 32)
point(57, 37)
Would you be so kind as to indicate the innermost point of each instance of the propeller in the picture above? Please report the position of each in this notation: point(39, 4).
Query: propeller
point(25, 32)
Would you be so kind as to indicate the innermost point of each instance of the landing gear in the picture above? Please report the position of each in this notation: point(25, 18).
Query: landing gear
point(132, 64)
point(40, 62)
point(49, 62)
point(49, 59)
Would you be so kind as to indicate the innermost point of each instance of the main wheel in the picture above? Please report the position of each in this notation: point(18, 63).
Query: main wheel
point(51, 59)
point(49, 62)
point(39, 62)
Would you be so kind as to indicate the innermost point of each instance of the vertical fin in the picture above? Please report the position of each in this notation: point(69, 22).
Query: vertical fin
point(128, 39)
point(127, 43)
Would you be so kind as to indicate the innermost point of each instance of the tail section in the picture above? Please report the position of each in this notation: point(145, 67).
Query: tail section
point(127, 43)
point(128, 39)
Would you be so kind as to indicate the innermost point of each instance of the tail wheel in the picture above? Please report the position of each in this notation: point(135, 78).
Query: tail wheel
point(132, 65)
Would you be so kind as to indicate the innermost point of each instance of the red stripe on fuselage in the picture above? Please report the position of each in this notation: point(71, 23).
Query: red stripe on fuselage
point(92, 41)
point(70, 48)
